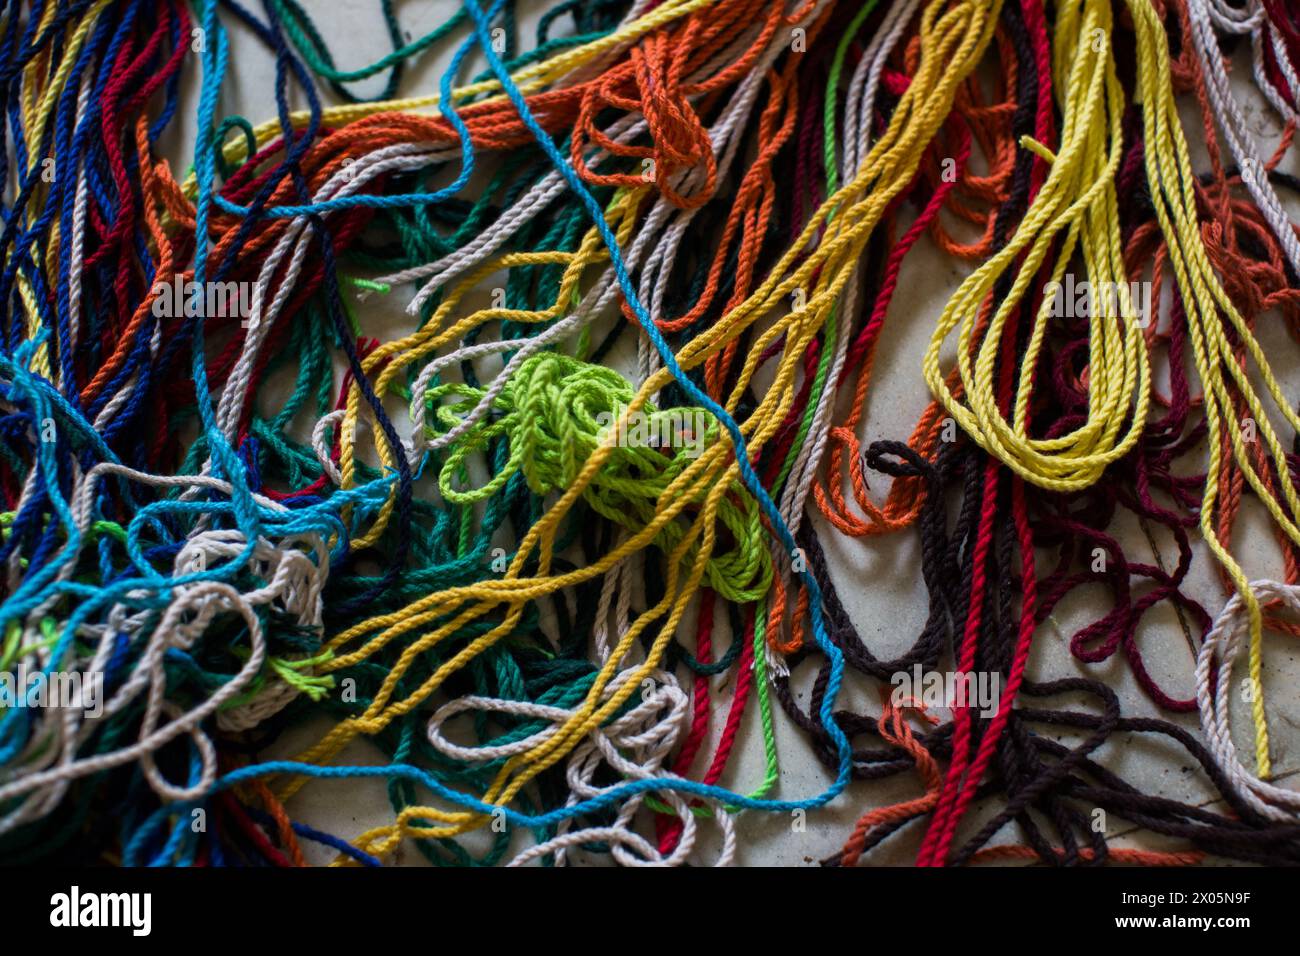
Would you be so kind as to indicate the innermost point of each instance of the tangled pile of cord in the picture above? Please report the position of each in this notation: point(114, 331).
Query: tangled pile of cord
point(499, 443)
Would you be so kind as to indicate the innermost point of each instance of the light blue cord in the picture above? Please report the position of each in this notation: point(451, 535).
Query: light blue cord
point(750, 477)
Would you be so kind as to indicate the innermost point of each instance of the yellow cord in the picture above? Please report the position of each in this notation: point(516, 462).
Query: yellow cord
point(1207, 305)
point(1077, 200)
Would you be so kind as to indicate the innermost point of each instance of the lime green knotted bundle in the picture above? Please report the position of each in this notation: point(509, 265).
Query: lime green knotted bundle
point(554, 412)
